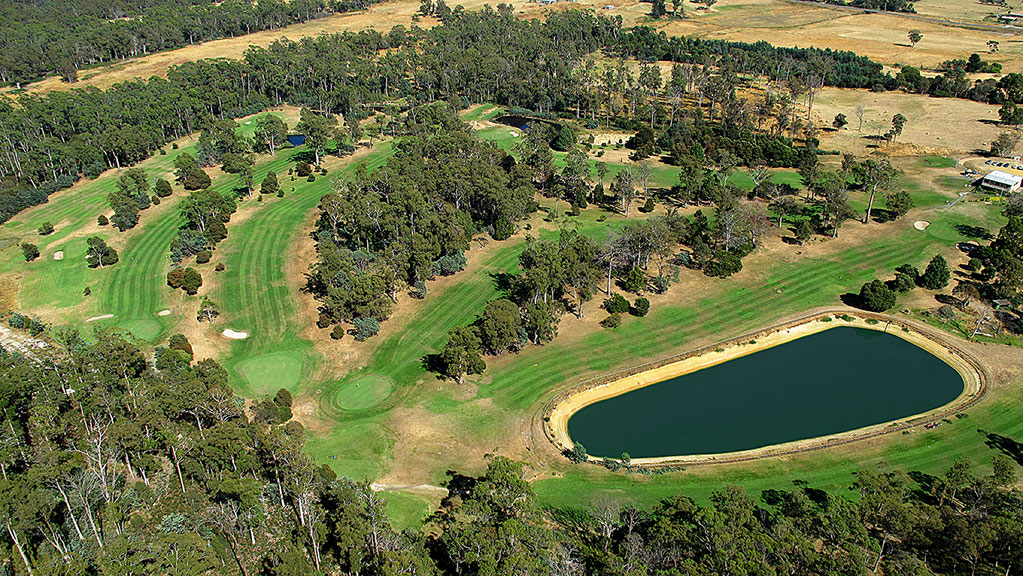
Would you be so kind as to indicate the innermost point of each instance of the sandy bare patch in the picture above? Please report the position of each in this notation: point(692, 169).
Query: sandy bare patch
point(100, 317)
point(234, 335)
point(921, 224)
point(58, 255)
point(163, 313)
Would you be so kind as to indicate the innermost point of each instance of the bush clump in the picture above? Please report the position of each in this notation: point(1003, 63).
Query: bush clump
point(640, 307)
point(30, 251)
point(365, 328)
point(876, 297)
point(448, 265)
point(616, 304)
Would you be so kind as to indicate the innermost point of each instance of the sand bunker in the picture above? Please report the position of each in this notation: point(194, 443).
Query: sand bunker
point(921, 224)
point(228, 333)
point(163, 313)
point(58, 255)
point(103, 317)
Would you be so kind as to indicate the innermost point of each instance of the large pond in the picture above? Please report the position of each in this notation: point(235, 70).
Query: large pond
point(826, 383)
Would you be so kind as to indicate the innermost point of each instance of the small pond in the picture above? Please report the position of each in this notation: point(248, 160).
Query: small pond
point(826, 383)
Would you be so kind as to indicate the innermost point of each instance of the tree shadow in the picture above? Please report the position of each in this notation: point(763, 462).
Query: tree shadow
point(975, 232)
point(1005, 445)
point(503, 282)
point(432, 363)
point(925, 483)
point(947, 299)
point(851, 299)
point(881, 216)
point(307, 156)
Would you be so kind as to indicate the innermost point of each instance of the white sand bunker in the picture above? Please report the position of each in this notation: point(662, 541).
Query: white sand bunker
point(228, 333)
point(921, 224)
point(58, 255)
point(163, 313)
point(103, 317)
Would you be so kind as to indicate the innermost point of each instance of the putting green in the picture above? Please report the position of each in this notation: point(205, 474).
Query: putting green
point(270, 372)
point(141, 329)
point(363, 393)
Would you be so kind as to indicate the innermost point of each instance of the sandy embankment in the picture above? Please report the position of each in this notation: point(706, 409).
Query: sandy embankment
point(568, 403)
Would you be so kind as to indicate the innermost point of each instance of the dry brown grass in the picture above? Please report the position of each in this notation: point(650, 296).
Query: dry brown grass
point(935, 126)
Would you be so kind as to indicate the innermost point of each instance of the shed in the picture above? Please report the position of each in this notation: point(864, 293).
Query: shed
point(296, 139)
point(1001, 182)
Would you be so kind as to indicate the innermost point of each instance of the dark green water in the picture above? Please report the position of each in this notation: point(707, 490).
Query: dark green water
point(830, 382)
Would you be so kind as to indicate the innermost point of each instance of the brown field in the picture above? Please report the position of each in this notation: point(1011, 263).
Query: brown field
point(882, 37)
point(935, 125)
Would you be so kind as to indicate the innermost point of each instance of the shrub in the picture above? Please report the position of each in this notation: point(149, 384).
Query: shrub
point(45, 229)
point(418, 290)
point(578, 454)
point(338, 332)
point(176, 277)
point(909, 270)
point(448, 265)
point(180, 342)
point(365, 328)
point(804, 231)
point(219, 267)
point(634, 280)
point(640, 307)
point(203, 257)
point(162, 188)
point(269, 184)
point(616, 304)
point(876, 297)
point(936, 275)
point(648, 206)
point(174, 146)
point(155, 200)
point(323, 321)
point(303, 169)
point(723, 265)
point(102, 220)
point(280, 193)
point(903, 283)
point(196, 179)
point(191, 281)
point(612, 321)
point(311, 178)
point(30, 251)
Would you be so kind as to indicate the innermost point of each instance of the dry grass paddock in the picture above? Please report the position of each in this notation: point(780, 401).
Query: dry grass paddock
point(935, 125)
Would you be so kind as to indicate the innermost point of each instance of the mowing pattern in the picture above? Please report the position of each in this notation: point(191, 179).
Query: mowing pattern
point(254, 295)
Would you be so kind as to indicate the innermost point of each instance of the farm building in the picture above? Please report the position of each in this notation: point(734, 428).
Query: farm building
point(1001, 182)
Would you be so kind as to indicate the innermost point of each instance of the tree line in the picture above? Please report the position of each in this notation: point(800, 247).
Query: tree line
point(114, 461)
point(61, 38)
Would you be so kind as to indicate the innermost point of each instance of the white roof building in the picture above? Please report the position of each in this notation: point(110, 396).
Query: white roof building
point(1002, 182)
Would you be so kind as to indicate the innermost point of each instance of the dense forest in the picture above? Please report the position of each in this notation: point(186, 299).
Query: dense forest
point(62, 37)
point(115, 462)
